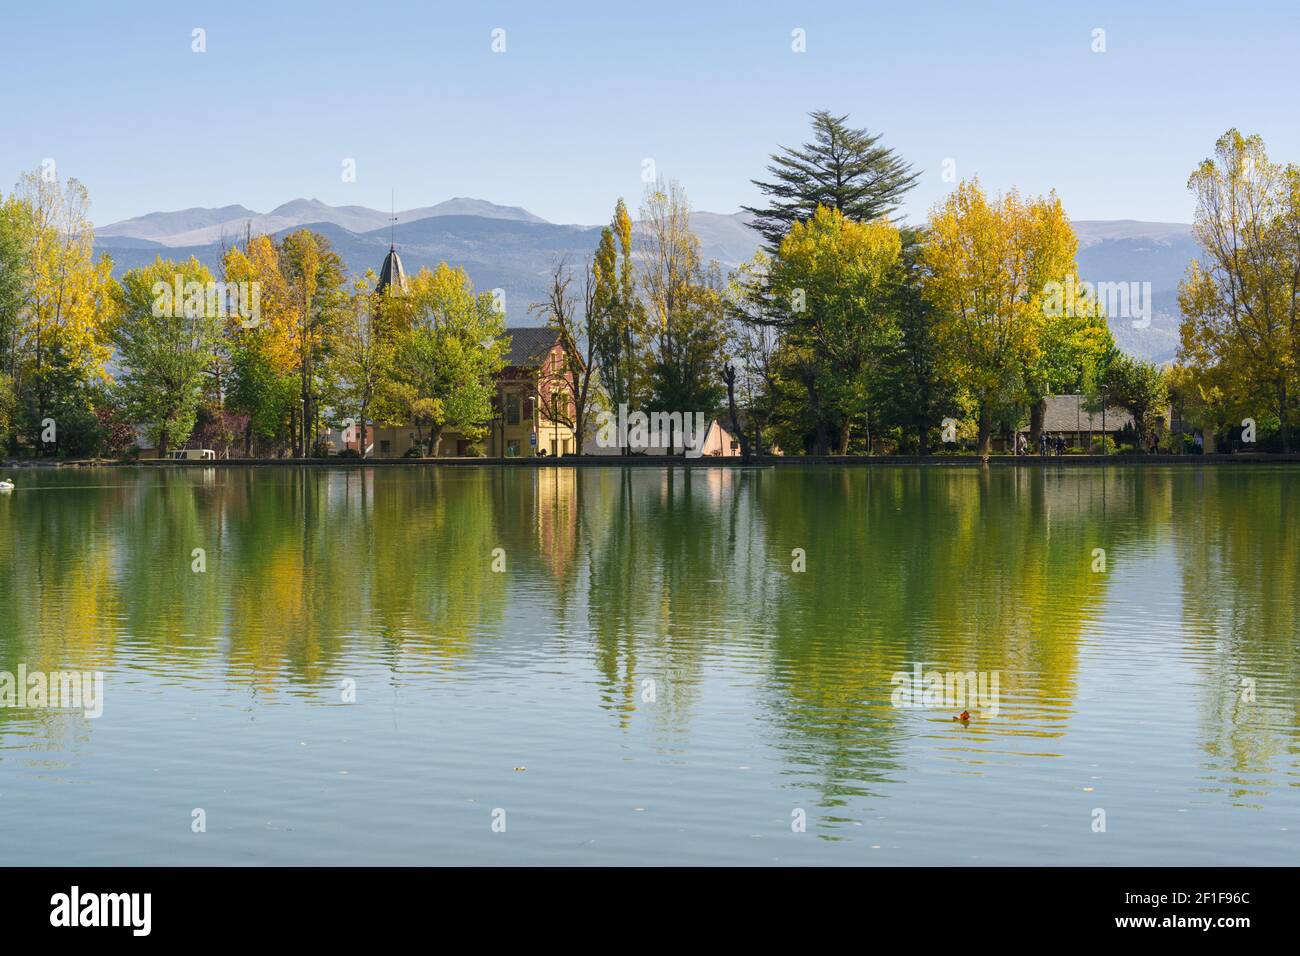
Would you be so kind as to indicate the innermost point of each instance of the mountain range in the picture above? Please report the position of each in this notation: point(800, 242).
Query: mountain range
point(510, 248)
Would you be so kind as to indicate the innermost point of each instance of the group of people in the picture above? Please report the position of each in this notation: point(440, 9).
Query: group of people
point(1046, 445)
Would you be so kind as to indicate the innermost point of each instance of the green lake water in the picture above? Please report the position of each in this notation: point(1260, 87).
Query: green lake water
point(624, 666)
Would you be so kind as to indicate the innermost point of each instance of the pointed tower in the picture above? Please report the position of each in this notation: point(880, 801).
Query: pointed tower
point(392, 273)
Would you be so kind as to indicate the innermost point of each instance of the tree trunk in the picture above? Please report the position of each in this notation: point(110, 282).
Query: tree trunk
point(729, 375)
point(1036, 413)
point(1282, 420)
point(985, 430)
point(361, 435)
point(814, 404)
point(922, 448)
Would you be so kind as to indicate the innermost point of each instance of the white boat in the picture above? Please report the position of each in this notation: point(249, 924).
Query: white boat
point(6, 487)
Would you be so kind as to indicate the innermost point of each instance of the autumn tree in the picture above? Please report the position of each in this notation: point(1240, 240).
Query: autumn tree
point(1206, 399)
point(264, 351)
point(360, 359)
point(684, 307)
point(59, 338)
point(314, 276)
point(616, 318)
point(988, 268)
point(1240, 300)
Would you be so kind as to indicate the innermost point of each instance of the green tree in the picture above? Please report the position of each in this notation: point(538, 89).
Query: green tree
point(915, 389)
point(755, 339)
point(1141, 389)
point(617, 319)
point(360, 357)
point(449, 343)
point(831, 283)
point(843, 168)
point(15, 238)
point(314, 275)
point(165, 344)
point(685, 306)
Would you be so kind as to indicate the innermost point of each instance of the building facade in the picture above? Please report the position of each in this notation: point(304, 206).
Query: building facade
point(531, 408)
point(531, 404)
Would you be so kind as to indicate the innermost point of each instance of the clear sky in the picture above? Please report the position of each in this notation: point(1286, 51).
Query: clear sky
point(561, 122)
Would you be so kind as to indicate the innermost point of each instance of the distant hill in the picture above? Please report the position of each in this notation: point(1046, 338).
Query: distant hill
point(1126, 250)
point(197, 227)
point(158, 225)
point(510, 248)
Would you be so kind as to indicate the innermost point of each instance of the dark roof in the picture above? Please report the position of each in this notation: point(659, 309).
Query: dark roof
point(529, 344)
point(1065, 413)
point(392, 273)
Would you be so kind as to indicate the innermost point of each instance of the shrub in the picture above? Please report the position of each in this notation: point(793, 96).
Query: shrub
point(117, 437)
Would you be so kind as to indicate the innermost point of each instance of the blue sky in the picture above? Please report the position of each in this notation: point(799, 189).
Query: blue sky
point(561, 121)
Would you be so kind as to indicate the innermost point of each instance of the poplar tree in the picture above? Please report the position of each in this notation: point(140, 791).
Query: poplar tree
point(617, 322)
point(1241, 298)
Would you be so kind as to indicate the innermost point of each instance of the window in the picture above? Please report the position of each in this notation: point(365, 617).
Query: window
point(512, 409)
point(512, 448)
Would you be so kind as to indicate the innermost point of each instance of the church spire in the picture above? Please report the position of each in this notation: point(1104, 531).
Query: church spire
point(391, 272)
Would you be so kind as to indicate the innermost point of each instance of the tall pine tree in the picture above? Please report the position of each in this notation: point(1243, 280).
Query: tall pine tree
point(843, 168)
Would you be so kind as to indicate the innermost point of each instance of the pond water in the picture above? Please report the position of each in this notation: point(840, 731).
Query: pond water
point(429, 665)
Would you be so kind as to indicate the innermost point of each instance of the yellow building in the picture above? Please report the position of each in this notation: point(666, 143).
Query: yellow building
point(531, 384)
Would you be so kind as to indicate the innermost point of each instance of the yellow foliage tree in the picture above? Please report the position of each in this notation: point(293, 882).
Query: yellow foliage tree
point(1241, 300)
point(70, 303)
point(991, 267)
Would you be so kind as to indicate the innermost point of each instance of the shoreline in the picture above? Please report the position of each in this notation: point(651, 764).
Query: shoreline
point(663, 461)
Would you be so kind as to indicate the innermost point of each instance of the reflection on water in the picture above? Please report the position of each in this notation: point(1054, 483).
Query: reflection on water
point(675, 691)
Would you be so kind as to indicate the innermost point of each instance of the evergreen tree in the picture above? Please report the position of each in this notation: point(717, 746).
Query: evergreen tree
point(915, 389)
point(843, 168)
